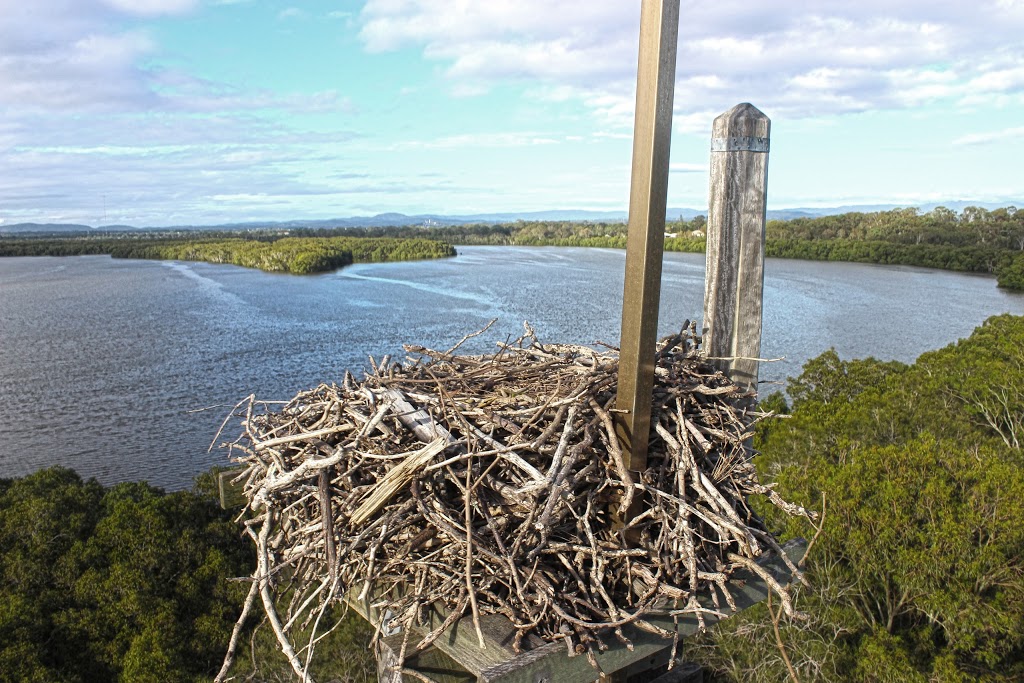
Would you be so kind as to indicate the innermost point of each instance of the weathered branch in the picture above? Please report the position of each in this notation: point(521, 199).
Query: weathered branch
point(439, 486)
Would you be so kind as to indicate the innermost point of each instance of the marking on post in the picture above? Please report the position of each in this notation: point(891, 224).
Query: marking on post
point(744, 143)
point(652, 135)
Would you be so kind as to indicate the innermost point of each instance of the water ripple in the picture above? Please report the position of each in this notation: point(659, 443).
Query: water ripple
point(102, 359)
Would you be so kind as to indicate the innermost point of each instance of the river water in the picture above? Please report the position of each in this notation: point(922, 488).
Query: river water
point(124, 369)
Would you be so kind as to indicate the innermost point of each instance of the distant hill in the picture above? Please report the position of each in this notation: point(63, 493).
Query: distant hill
point(401, 219)
point(43, 227)
point(960, 205)
point(955, 205)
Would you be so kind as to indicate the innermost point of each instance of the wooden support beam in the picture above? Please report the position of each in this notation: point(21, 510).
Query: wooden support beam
point(652, 135)
point(231, 493)
point(734, 283)
point(548, 663)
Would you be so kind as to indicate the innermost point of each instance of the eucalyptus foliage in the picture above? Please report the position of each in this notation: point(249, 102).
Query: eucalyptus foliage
point(133, 584)
point(919, 572)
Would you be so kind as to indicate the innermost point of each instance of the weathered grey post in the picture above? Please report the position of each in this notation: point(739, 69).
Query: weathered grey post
point(734, 283)
point(652, 134)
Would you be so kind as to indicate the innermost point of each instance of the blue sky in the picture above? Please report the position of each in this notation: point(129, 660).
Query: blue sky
point(164, 112)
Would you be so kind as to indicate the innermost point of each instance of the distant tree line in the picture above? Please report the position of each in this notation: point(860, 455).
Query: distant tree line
point(975, 240)
point(296, 255)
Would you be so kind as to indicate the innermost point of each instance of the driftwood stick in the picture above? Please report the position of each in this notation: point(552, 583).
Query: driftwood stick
point(784, 598)
point(328, 523)
point(229, 656)
point(416, 419)
point(471, 591)
point(302, 471)
point(305, 436)
point(477, 485)
point(618, 459)
point(269, 607)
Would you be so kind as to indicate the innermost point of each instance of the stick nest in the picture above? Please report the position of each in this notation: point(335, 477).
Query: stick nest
point(497, 484)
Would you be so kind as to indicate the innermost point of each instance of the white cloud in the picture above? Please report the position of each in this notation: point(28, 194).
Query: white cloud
point(92, 105)
point(94, 71)
point(999, 79)
point(468, 89)
point(153, 7)
point(477, 140)
point(391, 23)
point(992, 136)
point(915, 87)
point(797, 59)
point(86, 114)
point(291, 13)
point(67, 55)
point(684, 167)
point(141, 179)
point(91, 108)
point(184, 92)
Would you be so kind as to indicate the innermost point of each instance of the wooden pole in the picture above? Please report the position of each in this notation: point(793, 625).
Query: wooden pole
point(734, 283)
point(652, 134)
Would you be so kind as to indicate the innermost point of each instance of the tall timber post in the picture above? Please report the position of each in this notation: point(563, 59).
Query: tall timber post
point(652, 135)
point(734, 283)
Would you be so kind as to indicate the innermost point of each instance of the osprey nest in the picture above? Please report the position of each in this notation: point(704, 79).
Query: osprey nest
point(497, 484)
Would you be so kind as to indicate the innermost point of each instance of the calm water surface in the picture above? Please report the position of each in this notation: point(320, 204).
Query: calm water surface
point(107, 365)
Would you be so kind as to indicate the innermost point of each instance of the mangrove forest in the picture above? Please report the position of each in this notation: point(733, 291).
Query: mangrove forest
point(295, 255)
point(974, 240)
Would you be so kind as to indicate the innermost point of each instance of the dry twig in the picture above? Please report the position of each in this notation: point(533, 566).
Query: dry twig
point(506, 496)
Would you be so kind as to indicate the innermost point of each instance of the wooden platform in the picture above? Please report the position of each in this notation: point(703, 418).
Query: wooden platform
point(456, 655)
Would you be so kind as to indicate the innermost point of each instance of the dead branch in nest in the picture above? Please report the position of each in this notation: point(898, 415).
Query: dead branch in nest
point(492, 483)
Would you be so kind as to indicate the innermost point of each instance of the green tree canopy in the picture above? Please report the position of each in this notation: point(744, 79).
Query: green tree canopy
point(919, 572)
